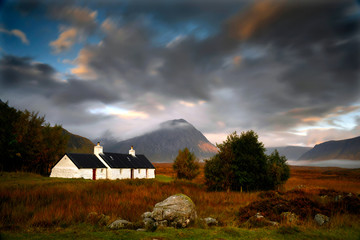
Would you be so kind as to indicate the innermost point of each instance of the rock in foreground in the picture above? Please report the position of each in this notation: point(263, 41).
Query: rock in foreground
point(120, 224)
point(321, 219)
point(175, 211)
point(259, 221)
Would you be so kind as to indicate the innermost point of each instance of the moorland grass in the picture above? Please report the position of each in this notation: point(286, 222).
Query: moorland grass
point(39, 201)
point(89, 232)
point(37, 207)
point(163, 178)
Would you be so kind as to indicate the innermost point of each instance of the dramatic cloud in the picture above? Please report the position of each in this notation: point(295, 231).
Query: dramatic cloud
point(81, 18)
point(287, 69)
point(320, 49)
point(23, 75)
point(258, 90)
point(17, 33)
point(82, 23)
point(65, 41)
point(82, 62)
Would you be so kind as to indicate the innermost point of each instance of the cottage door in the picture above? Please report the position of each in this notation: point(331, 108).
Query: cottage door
point(132, 173)
point(94, 174)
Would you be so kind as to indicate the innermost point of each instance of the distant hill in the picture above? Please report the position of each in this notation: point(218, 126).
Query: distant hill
point(163, 144)
point(343, 149)
point(78, 144)
point(290, 152)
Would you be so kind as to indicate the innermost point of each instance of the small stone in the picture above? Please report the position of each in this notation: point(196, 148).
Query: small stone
point(163, 223)
point(273, 223)
point(259, 220)
point(211, 221)
point(141, 230)
point(146, 215)
point(120, 224)
point(150, 224)
point(338, 198)
point(103, 220)
point(321, 219)
point(289, 217)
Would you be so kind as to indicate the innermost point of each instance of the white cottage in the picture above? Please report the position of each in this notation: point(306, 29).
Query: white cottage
point(103, 165)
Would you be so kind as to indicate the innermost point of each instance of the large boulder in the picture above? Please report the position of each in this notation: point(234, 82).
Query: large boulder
point(176, 211)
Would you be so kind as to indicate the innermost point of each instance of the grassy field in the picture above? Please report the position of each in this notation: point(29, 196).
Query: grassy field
point(36, 207)
point(229, 233)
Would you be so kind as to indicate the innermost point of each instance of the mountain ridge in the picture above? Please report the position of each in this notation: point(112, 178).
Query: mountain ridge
point(290, 152)
point(345, 149)
point(77, 143)
point(163, 143)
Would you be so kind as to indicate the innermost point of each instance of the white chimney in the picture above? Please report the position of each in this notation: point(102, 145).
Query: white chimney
point(132, 151)
point(98, 149)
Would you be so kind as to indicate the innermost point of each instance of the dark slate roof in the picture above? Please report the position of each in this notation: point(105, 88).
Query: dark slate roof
point(85, 160)
point(118, 160)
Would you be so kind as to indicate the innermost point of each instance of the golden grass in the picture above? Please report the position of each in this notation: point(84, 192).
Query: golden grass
point(347, 180)
point(32, 200)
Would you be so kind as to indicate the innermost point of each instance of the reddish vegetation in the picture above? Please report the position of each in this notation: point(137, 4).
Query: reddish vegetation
point(347, 180)
point(303, 204)
point(167, 170)
point(50, 202)
point(207, 147)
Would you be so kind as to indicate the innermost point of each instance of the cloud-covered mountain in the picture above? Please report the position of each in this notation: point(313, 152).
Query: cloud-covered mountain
point(163, 144)
point(343, 149)
point(290, 152)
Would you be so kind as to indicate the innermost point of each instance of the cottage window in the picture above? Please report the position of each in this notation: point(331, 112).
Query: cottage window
point(120, 171)
point(102, 170)
point(138, 170)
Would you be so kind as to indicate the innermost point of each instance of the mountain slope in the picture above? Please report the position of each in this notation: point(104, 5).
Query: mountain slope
point(163, 144)
point(290, 152)
point(344, 149)
point(78, 144)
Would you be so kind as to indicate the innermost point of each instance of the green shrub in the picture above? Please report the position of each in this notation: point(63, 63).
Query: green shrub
point(186, 165)
point(241, 164)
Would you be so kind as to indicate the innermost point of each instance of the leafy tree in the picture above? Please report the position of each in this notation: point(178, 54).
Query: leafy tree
point(28, 130)
point(241, 163)
point(218, 173)
point(27, 143)
point(278, 170)
point(55, 143)
point(186, 165)
point(8, 143)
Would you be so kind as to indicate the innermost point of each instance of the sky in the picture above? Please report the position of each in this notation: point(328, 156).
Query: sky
point(287, 69)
